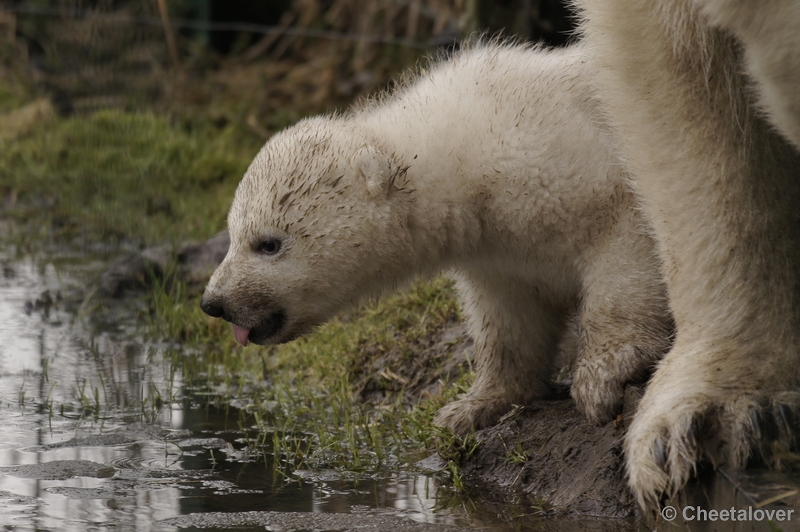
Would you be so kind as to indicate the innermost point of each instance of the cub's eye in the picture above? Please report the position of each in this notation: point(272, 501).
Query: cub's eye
point(270, 247)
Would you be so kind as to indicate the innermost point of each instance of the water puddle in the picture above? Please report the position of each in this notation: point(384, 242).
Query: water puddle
point(98, 432)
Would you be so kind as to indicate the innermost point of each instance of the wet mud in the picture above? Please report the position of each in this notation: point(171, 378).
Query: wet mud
point(548, 454)
point(191, 263)
point(60, 470)
point(361, 519)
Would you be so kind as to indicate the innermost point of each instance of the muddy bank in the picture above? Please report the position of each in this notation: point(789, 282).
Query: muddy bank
point(438, 358)
point(548, 454)
point(366, 520)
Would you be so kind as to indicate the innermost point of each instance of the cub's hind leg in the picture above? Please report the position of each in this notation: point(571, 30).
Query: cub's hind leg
point(625, 323)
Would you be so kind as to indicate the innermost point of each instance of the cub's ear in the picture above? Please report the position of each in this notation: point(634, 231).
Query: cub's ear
point(375, 168)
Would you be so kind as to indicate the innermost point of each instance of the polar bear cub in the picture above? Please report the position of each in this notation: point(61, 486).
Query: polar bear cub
point(493, 166)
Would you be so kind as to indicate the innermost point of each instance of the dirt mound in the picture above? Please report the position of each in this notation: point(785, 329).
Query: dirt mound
point(550, 455)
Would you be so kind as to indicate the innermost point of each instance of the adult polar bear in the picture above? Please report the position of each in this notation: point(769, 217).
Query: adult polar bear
point(695, 90)
point(494, 165)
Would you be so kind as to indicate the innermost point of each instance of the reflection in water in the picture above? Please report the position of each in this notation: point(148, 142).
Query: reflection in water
point(72, 390)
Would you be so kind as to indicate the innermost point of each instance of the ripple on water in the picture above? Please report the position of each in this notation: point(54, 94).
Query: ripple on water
point(137, 463)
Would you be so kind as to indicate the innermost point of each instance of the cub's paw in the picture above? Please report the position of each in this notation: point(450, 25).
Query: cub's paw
point(598, 385)
point(669, 438)
point(470, 413)
point(599, 399)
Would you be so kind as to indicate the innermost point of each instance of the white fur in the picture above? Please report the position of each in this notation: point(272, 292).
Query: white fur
point(722, 190)
point(493, 166)
point(770, 33)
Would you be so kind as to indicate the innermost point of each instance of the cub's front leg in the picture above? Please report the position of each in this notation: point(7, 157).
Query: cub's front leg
point(516, 332)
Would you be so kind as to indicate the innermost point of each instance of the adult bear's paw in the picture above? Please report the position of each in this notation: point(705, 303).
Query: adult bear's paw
point(669, 438)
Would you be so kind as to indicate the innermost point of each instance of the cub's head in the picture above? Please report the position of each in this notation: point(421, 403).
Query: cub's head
point(318, 221)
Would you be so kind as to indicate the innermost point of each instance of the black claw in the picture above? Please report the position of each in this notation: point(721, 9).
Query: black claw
point(659, 453)
point(755, 419)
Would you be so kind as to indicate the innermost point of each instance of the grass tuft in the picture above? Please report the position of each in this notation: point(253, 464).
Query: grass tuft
point(302, 394)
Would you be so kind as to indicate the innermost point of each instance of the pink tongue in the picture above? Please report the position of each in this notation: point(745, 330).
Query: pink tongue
point(240, 333)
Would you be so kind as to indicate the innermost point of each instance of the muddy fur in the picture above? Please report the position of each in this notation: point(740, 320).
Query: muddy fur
point(703, 96)
point(494, 166)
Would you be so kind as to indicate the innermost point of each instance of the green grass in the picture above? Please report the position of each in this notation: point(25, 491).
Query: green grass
point(11, 98)
point(393, 324)
point(116, 176)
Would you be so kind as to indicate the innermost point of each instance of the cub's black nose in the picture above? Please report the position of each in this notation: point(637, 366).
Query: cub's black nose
point(211, 309)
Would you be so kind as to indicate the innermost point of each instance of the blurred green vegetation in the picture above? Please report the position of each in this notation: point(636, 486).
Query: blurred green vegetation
point(114, 175)
point(10, 99)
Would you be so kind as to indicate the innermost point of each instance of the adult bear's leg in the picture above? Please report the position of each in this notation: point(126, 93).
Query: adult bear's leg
point(721, 189)
point(770, 32)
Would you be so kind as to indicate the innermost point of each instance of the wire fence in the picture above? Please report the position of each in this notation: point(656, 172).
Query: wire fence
point(209, 25)
point(87, 55)
point(263, 63)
